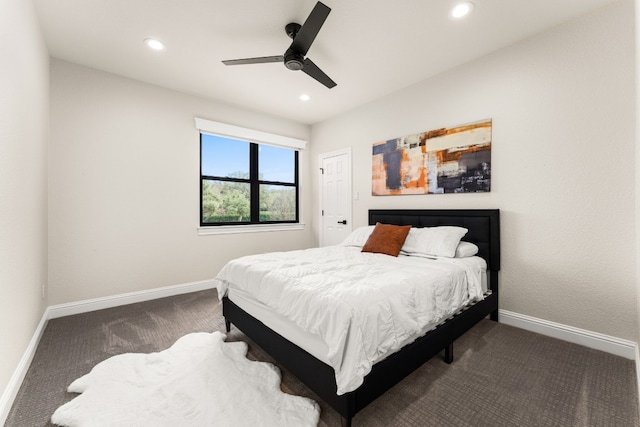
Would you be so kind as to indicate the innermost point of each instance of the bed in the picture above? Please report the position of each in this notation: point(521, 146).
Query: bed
point(317, 373)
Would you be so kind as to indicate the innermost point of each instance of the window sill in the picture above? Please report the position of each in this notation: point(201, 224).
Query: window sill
point(253, 228)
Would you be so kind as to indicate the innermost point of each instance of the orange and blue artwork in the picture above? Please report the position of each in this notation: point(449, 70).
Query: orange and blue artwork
point(448, 160)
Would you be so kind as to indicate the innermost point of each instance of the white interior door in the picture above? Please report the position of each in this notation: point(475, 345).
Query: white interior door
point(336, 197)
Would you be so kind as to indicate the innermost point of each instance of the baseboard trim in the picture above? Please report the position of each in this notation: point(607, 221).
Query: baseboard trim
point(606, 343)
point(638, 371)
point(94, 304)
point(11, 391)
point(61, 310)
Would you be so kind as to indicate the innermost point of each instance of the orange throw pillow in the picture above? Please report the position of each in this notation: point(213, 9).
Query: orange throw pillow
point(387, 239)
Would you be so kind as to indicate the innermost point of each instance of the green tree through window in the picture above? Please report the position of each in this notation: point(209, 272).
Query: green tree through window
point(247, 183)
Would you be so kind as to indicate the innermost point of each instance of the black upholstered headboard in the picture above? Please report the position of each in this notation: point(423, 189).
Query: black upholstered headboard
point(483, 226)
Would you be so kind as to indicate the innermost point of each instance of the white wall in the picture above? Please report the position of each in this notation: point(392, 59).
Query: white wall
point(124, 187)
point(24, 93)
point(563, 162)
point(637, 112)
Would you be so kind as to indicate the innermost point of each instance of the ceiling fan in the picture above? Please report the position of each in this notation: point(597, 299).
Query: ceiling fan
point(303, 36)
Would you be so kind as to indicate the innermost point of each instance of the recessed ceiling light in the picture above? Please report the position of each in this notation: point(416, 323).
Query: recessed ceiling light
point(304, 97)
point(461, 10)
point(154, 44)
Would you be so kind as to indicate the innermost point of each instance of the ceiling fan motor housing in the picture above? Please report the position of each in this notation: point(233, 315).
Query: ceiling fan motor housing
point(293, 60)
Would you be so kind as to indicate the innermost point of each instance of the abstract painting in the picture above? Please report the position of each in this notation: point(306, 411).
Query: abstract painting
point(448, 160)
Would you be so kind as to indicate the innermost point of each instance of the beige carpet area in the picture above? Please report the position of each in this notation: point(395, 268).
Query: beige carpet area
point(501, 375)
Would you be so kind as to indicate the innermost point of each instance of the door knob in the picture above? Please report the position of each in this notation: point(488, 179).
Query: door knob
point(344, 221)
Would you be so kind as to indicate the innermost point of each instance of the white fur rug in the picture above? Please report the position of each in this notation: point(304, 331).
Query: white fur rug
point(199, 381)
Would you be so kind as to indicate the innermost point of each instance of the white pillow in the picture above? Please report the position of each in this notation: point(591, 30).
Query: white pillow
point(358, 237)
point(466, 249)
point(434, 241)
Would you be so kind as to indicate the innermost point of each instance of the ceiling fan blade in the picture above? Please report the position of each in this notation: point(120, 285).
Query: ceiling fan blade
point(312, 70)
point(260, 60)
point(309, 30)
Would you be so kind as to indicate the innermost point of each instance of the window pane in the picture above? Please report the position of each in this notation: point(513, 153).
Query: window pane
point(224, 201)
point(277, 203)
point(276, 164)
point(225, 157)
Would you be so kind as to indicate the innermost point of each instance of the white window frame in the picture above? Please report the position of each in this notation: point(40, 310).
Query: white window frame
point(237, 132)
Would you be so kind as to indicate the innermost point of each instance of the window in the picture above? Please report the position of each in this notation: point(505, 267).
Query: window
point(247, 182)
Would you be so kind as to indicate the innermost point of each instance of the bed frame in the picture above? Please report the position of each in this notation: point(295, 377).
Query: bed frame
point(484, 231)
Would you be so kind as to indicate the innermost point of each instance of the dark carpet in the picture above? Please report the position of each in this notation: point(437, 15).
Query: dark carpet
point(501, 375)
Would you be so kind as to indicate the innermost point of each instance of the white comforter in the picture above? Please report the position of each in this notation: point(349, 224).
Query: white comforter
point(362, 304)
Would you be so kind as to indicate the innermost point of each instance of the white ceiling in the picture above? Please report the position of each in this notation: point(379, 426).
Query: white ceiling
point(369, 47)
